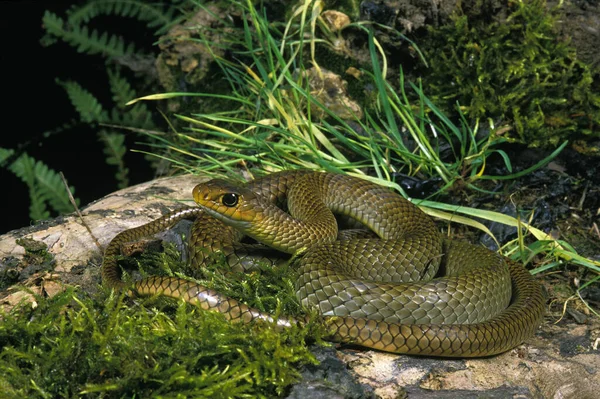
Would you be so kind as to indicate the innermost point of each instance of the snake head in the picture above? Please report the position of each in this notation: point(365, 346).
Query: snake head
point(234, 205)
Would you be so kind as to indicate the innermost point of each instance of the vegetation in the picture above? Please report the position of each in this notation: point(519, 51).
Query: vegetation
point(516, 70)
point(45, 185)
point(74, 345)
point(47, 192)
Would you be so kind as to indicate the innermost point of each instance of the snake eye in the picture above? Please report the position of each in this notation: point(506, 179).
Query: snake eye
point(229, 199)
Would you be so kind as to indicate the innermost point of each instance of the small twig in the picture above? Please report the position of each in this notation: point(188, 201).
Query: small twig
point(72, 200)
point(595, 229)
point(582, 199)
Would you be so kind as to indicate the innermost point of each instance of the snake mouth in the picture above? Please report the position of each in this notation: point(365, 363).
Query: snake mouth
point(235, 223)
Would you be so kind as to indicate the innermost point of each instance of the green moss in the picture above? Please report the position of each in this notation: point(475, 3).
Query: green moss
point(516, 70)
point(36, 252)
point(270, 289)
point(104, 346)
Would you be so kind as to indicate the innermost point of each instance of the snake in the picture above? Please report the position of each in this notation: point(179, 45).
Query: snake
point(392, 283)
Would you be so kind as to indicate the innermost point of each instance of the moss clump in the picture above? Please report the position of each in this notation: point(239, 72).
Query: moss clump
point(35, 260)
point(268, 288)
point(36, 252)
point(73, 345)
point(516, 70)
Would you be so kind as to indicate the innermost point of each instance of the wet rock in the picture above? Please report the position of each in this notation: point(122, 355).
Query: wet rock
point(329, 379)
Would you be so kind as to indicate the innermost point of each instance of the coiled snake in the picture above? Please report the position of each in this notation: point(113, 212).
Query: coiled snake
point(406, 291)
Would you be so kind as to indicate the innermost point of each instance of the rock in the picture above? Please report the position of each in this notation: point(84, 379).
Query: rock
point(76, 252)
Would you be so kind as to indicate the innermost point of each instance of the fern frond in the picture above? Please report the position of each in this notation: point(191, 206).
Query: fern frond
point(5, 154)
point(52, 189)
point(44, 184)
point(121, 89)
point(88, 106)
point(82, 39)
point(53, 25)
point(155, 15)
point(135, 116)
point(114, 149)
point(24, 168)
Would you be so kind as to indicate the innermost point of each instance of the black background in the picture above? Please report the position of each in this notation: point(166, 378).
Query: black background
point(33, 104)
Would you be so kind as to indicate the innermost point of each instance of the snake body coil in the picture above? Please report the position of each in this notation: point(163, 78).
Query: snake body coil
point(404, 289)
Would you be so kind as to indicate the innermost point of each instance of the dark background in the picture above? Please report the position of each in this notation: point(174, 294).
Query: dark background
point(33, 104)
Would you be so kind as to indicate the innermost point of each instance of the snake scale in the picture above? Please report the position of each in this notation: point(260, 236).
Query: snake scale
point(405, 289)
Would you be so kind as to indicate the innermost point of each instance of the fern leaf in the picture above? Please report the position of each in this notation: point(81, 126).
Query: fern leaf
point(83, 40)
point(52, 188)
point(45, 186)
point(88, 106)
point(37, 205)
point(52, 23)
point(114, 149)
point(23, 168)
point(138, 115)
point(5, 153)
point(153, 15)
point(121, 89)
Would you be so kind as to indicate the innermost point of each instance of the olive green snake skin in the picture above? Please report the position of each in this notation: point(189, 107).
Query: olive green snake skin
point(407, 290)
